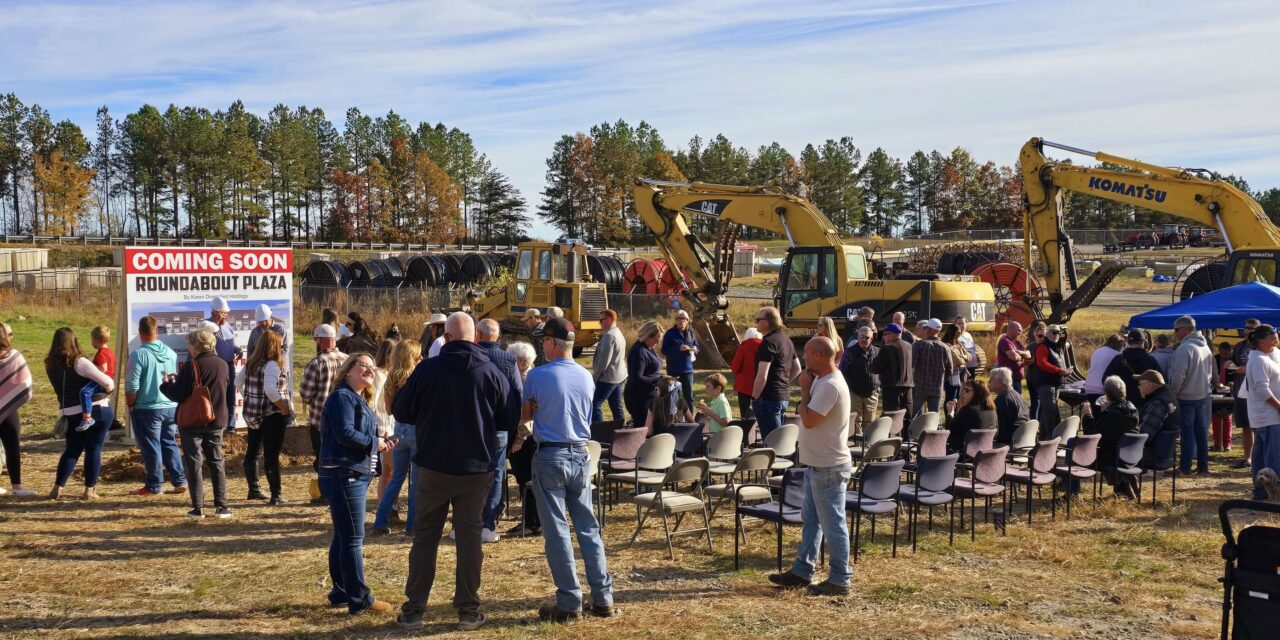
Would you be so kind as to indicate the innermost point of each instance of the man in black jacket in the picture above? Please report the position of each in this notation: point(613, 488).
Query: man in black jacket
point(893, 364)
point(456, 401)
point(1131, 362)
point(487, 334)
point(1159, 411)
point(864, 386)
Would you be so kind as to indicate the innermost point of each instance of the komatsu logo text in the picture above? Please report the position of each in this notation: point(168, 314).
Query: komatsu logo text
point(1144, 192)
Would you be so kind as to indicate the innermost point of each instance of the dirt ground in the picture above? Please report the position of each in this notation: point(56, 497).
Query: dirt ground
point(125, 567)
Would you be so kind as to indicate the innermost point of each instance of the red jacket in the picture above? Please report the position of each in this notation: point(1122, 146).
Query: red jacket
point(744, 366)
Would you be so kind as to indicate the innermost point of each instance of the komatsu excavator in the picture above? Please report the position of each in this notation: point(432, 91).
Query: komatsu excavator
point(1252, 241)
point(821, 276)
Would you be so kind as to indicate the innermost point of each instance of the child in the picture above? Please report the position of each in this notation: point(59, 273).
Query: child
point(717, 413)
point(104, 359)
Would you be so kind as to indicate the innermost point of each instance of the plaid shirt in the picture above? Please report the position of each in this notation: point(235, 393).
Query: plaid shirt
point(257, 406)
point(317, 379)
point(932, 362)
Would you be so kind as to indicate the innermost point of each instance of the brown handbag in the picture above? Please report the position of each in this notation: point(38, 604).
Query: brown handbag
point(196, 411)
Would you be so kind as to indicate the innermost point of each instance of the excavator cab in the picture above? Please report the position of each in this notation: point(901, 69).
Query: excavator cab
point(809, 275)
point(1253, 266)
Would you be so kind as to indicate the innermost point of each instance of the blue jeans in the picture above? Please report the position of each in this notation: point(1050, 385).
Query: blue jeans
point(686, 386)
point(768, 415)
point(494, 501)
point(1195, 434)
point(1017, 386)
point(926, 403)
point(90, 443)
point(824, 515)
point(561, 482)
point(157, 436)
point(612, 393)
point(1266, 454)
point(347, 491)
point(86, 396)
point(401, 469)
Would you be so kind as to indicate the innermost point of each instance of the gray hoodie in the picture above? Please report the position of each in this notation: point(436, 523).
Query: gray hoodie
point(1192, 374)
point(610, 362)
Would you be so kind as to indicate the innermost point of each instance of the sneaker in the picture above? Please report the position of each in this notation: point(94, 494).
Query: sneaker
point(600, 610)
point(222, 513)
point(552, 613)
point(379, 531)
point(256, 494)
point(470, 620)
point(789, 580)
point(488, 535)
point(277, 500)
point(85, 424)
point(378, 606)
point(409, 621)
point(23, 493)
point(320, 501)
point(195, 514)
point(520, 531)
point(143, 491)
point(825, 588)
point(179, 490)
point(1243, 464)
point(55, 492)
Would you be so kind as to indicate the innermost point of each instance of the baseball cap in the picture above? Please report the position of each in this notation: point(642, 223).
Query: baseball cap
point(324, 331)
point(1135, 336)
point(1151, 375)
point(934, 323)
point(893, 327)
point(558, 328)
point(218, 304)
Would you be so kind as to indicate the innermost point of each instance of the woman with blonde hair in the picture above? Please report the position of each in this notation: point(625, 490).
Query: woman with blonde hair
point(404, 358)
point(644, 369)
point(267, 411)
point(827, 329)
point(348, 443)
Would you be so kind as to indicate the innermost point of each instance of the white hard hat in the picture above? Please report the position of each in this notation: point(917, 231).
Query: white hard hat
point(263, 313)
point(218, 304)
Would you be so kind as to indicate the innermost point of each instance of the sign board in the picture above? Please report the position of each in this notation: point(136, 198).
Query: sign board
point(175, 286)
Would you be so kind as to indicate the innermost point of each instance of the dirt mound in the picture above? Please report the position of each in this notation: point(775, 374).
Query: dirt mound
point(128, 467)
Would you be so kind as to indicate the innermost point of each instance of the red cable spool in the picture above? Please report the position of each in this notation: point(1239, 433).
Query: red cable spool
point(669, 279)
point(1013, 286)
point(641, 276)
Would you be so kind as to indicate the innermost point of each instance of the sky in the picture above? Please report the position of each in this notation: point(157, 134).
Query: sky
point(1177, 83)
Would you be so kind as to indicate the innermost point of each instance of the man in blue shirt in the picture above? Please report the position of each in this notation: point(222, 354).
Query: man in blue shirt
point(558, 400)
point(225, 346)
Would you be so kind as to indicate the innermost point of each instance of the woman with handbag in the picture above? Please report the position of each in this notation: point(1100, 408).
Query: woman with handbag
point(200, 390)
point(267, 411)
point(349, 442)
point(69, 371)
point(15, 391)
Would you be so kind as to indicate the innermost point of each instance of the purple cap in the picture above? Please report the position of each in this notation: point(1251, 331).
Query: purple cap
point(894, 327)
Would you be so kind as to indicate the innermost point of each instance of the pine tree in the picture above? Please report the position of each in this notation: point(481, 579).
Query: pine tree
point(881, 181)
point(12, 151)
point(104, 163)
point(500, 210)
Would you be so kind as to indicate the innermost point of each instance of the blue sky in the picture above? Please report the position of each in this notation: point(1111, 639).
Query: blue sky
point(1175, 82)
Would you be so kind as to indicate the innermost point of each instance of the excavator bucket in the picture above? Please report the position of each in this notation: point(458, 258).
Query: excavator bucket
point(719, 342)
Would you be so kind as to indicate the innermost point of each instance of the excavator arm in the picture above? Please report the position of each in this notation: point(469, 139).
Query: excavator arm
point(666, 207)
point(1181, 192)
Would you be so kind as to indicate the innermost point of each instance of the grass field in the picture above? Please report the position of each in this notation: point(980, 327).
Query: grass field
point(124, 567)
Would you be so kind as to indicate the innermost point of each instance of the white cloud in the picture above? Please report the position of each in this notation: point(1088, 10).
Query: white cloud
point(1183, 83)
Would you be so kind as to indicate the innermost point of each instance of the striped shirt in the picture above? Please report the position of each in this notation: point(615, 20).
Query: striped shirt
point(15, 382)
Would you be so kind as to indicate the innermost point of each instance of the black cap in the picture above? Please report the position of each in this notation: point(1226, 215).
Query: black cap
point(1136, 336)
point(558, 328)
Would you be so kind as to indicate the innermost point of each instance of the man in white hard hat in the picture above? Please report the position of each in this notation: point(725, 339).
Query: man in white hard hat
point(224, 345)
point(266, 321)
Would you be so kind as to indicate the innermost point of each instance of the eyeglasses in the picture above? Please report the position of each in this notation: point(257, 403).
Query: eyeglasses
point(364, 365)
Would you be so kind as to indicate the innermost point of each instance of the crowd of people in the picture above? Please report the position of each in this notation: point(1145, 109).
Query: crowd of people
point(447, 414)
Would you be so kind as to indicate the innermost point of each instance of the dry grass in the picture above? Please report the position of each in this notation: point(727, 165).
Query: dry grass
point(132, 567)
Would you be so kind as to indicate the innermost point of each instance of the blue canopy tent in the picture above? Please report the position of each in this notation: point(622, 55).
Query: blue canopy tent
point(1222, 309)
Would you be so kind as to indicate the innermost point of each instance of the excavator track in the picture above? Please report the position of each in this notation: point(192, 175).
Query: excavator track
point(1088, 291)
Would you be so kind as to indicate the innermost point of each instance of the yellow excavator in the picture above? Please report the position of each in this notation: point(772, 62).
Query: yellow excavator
point(1252, 241)
point(821, 275)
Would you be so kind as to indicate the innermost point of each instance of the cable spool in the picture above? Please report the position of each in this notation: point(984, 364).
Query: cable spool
point(598, 270)
point(452, 268)
point(474, 267)
point(1015, 289)
point(669, 278)
point(325, 272)
point(396, 267)
point(422, 271)
point(1208, 278)
point(641, 276)
point(507, 261)
point(616, 268)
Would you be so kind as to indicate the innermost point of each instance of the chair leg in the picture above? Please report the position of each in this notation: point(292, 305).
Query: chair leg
point(913, 515)
point(671, 554)
point(951, 527)
point(737, 530)
point(706, 525)
point(640, 523)
point(857, 530)
point(973, 517)
point(895, 533)
point(779, 547)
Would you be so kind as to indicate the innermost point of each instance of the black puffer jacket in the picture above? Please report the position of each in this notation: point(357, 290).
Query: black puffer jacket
point(1113, 421)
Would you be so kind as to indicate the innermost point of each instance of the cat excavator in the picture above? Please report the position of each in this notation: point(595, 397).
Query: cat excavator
point(821, 275)
point(1252, 241)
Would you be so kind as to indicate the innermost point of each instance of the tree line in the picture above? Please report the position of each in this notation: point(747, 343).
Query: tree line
point(192, 172)
point(589, 178)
